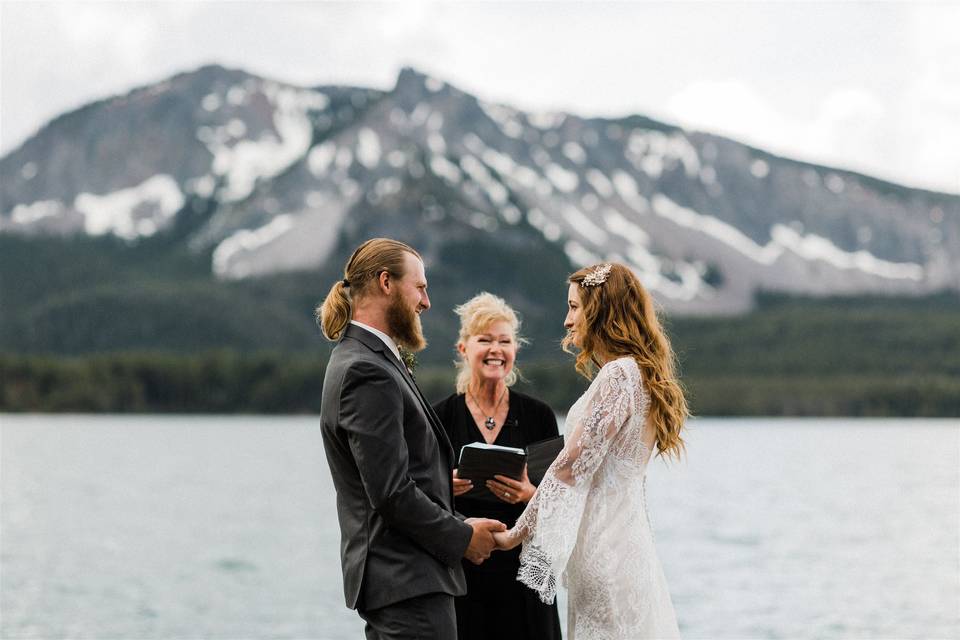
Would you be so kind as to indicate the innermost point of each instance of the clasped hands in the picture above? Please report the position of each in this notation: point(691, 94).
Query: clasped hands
point(492, 535)
point(488, 536)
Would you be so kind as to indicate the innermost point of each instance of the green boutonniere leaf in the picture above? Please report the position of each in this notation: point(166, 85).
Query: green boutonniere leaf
point(409, 359)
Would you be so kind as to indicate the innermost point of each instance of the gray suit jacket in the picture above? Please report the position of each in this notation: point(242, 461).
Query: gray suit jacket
point(391, 463)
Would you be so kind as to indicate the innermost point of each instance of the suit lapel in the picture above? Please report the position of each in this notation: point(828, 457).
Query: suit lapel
point(376, 344)
point(432, 417)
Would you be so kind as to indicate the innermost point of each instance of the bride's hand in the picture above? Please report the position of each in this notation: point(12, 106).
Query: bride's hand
point(505, 540)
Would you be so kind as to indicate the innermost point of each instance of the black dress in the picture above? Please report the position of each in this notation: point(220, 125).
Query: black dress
point(496, 604)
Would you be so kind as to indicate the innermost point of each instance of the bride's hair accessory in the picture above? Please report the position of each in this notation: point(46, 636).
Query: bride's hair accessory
point(597, 276)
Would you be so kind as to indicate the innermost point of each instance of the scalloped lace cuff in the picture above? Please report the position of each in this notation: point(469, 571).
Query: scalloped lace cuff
point(536, 573)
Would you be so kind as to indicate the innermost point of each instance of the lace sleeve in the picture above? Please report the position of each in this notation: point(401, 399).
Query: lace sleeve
point(551, 521)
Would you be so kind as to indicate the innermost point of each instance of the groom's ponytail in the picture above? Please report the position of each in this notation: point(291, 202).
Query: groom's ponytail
point(370, 259)
point(334, 314)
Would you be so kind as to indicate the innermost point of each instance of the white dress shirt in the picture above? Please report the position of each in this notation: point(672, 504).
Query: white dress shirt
point(387, 340)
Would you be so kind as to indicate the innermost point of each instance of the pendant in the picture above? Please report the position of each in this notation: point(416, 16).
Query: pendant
point(489, 423)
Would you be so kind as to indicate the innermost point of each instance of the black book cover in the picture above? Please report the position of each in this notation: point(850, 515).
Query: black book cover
point(479, 462)
point(540, 455)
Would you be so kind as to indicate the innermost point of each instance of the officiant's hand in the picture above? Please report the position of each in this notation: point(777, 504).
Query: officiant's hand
point(482, 542)
point(460, 485)
point(512, 491)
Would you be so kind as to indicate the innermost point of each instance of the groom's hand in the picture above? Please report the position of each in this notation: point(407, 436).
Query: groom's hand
point(482, 542)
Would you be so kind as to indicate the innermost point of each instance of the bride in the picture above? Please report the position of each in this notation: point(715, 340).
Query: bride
point(588, 522)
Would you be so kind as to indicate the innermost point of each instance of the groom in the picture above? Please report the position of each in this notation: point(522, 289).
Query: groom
point(401, 541)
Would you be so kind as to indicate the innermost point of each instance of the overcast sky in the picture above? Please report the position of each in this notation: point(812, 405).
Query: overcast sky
point(873, 87)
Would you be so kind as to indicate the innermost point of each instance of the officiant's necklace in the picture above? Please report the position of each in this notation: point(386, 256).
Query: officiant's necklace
point(489, 423)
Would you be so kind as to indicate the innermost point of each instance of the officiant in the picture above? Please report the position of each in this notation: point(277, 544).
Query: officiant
point(485, 409)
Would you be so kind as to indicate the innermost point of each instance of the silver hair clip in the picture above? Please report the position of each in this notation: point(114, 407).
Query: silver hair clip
point(597, 276)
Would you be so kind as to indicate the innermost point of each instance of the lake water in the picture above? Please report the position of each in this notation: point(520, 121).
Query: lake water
point(183, 527)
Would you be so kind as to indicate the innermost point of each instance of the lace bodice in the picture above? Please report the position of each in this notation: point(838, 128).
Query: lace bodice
point(587, 524)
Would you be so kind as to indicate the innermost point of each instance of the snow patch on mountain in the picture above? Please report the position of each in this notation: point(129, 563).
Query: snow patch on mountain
point(436, 143)
point(243, 161)
point(562, 179)
point(26, 214)
point(442, 167)
point(435, 121)
point(728, 234)
point(627, 189)
point(516, 174)
point(505, 118)
point(759, 169)
point(619, 225)
point(134, 212)
point(478, 171)
point(320, 157)
point(28, 171)
point(810, 247)
point(418, 117)
point(511, 214)
point(584, 226)
point(579, 254)
point(550, 230)
point(211, 102)
point(650, 151)
point(237, 95)
point(546, 120)
point(397, 159)
point(601, 184)
point(835, 183)
point(368, 148)
point(385, 187)
point(575, 152)
point(247, 240)
point(203, 186)
point(813, 247)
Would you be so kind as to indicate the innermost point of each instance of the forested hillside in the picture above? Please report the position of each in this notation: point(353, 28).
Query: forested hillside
point(860, 357)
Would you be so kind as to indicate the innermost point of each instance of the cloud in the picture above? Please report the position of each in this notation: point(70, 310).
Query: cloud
point(732, 108)
point(874, 88)
point(902, 139)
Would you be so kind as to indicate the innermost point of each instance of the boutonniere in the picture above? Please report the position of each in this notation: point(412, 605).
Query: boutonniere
point(409, 359)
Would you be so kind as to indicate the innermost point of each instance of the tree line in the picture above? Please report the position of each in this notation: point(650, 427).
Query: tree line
point(234, 382)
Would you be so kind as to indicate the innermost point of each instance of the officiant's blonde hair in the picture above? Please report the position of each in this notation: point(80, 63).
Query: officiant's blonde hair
point(476, 314)
point(364, 267)
point(618, 318)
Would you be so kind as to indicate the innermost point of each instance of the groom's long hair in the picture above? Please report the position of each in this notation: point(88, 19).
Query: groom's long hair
point(618, 318)
point(361, 272)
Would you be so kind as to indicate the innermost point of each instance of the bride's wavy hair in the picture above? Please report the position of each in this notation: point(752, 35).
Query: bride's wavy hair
point(618, 318)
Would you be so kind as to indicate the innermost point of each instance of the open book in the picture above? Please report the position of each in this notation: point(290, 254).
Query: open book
point(480, 461)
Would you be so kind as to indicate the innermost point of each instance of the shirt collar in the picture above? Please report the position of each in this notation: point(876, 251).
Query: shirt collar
point(387, 340)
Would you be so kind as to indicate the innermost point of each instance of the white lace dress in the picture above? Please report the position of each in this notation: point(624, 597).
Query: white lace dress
point(587, 524)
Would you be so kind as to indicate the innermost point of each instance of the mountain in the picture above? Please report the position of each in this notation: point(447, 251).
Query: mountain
point(256, 178)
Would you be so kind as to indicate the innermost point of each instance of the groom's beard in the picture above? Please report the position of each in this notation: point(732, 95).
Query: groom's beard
point(404, 325)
